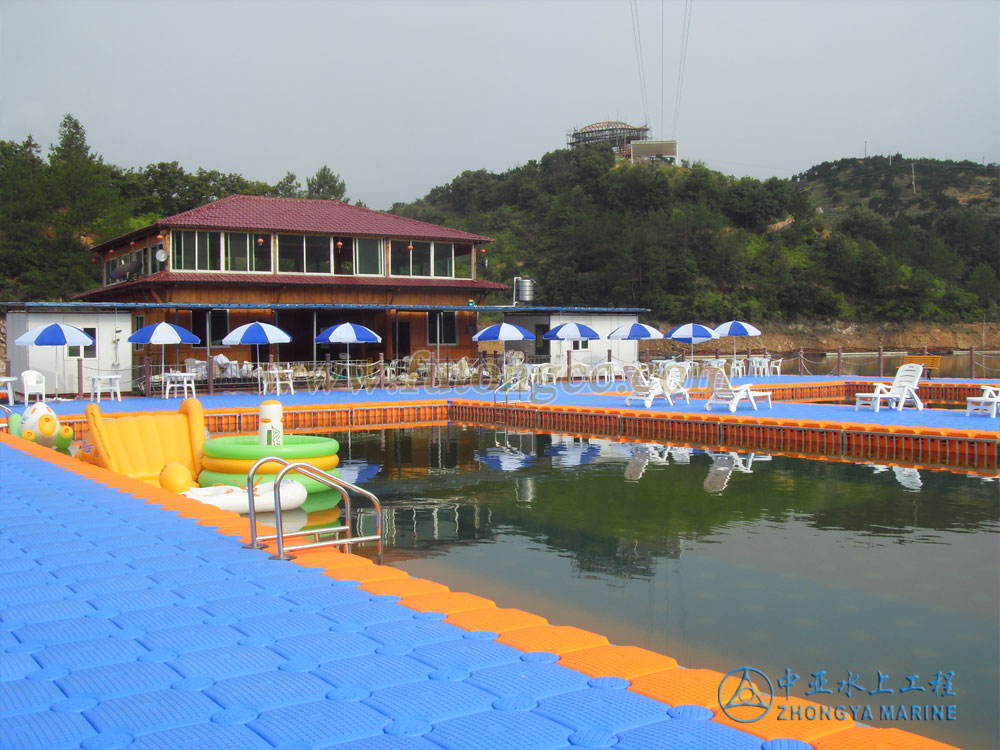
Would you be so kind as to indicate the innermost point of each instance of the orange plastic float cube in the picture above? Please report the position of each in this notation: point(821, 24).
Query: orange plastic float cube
point(448, 602)
point(680, 687)
point(496, 619)
point(878, 739)
point(628, 662)
point(403, 586)
point(558, 639)
point(793, 719)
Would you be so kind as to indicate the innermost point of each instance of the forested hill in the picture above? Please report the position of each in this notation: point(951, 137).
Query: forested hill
point(848, 240)
point(865, 240)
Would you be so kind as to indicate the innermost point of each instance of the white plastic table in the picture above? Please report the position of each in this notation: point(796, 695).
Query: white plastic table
point(9, 382)
point(113, 382)
point(172, 381)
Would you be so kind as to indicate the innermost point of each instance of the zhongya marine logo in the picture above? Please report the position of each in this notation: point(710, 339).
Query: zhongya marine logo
point(743, 698)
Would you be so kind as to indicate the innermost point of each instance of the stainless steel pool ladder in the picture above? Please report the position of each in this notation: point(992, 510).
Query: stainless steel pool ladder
point(344, 488)
point(515, 381)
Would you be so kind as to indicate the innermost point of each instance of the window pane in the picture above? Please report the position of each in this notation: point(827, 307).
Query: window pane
point(449, 328)
point(184, 243)
point(214, 251)
point(442, 258)
point(463, 261)
point(290, 249)
point(202, 261)
point(317, 254)
point(343, 255)
point(399, 258)
point(236, 251)
point(421, 259)
point(369, 256)
point(85, 352)
point(261, 252)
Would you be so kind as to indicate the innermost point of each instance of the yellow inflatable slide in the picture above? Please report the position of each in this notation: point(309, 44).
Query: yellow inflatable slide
point(140, 445)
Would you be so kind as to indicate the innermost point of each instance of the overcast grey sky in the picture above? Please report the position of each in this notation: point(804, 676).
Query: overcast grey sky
point(401, 96)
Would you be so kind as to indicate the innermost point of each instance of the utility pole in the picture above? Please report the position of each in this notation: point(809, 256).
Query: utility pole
point(866, 149)
point(913, 178)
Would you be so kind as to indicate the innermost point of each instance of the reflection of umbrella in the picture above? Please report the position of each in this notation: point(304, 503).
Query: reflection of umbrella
point(736, 328)
point(55, 334)
point(256, 334)
point(499, 459)
point(693, 333)
point(571, 332)
point(163, 334)
point(572, 452)
point(348, 333)
point(633, 331)
point(356, 472)
point(504, 332)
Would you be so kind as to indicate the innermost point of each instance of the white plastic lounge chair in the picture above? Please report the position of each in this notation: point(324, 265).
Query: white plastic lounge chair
point(33, 382)
point(672, 383)
point(903, 389)
point(723, 392)
point(987, 402)
point(642, 387)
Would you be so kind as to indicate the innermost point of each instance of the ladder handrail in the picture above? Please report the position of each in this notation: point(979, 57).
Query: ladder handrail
point(334, 483)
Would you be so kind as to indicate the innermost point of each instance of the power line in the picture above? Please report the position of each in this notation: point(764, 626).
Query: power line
point(685, 35)
point(637, 39)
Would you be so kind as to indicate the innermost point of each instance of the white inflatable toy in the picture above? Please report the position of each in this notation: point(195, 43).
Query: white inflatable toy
point(40, 424)
point(227, 497)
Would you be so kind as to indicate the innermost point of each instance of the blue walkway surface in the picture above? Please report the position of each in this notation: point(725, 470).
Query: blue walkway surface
point(123, 625)
point(586, 394)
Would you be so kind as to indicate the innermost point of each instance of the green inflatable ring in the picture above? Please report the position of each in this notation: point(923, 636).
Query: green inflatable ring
point(208, 478)
point(292, 447)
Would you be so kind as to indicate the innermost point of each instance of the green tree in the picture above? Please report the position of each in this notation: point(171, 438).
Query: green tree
point(327, 185)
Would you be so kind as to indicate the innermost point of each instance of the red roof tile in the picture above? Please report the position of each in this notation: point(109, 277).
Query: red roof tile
point(254, 279)
point(261, 213)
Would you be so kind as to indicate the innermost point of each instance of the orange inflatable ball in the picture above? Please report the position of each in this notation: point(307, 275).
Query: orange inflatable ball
point(176, 478)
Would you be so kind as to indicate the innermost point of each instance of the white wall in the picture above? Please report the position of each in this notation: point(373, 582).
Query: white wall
point(597, 351)
point(52, 360)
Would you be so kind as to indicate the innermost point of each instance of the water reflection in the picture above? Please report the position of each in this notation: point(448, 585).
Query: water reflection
point(716, 557)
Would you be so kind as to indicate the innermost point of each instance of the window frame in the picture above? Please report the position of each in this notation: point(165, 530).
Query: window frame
point(444, 316)
point(84, 352)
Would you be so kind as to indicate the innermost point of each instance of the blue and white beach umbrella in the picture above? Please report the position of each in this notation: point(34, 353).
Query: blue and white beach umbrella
point(633, 331)
point(736, 328)
point(55, 334)
point(571, 332)
point(348, 333)
point(504, 332)
point(163, 334)
point(256, 334)
point(693, 333)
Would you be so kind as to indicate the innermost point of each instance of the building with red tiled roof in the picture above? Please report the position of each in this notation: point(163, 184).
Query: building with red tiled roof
point(242, 251)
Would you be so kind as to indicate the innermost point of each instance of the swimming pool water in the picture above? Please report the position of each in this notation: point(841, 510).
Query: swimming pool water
point(857, 578)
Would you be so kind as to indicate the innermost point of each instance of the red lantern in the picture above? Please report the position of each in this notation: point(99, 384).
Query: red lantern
point(339, 244)
point(410, 246)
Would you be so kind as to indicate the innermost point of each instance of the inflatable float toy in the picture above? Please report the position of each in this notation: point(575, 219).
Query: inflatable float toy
point(39, 424)
point(176, 478)
point(228, 460)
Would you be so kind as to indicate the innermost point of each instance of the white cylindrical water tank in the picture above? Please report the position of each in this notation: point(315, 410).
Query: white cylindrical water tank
point(525, 289)
point(271, 430)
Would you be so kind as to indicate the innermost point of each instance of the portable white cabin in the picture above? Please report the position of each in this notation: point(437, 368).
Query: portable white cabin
point(586, 352)
point(110, 354)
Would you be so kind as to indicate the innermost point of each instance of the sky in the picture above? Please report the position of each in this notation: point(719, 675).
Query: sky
point(400, 96)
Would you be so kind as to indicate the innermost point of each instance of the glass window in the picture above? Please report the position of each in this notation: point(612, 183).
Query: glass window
point(317, 254)
point(343, 256)
point(236, 251)
point(109, 266)
point(217, 320)
point(262, 252)
point(84, 352)
point(442, 259)
point(291, 257)
point(420, 259)
point(184, 251)
point(139, 321)
point(585, 344)
point(399, 258)
point(463, 261)
point(448, 333)
point(541, 344)
point(369, 256)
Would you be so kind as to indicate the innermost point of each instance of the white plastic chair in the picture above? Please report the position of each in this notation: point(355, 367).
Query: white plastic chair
point(672, 383)
point(642, 387)
point(775, 366)
point(903, 389)
point(33, 382)
point(723, 392)
point(986, 403)
point(737, 368)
